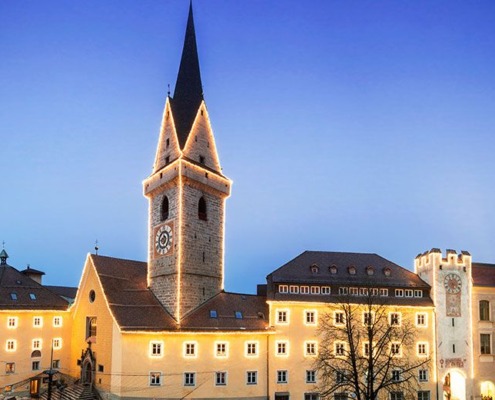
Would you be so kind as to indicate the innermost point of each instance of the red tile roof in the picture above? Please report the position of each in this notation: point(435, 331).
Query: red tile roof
point(483, 274)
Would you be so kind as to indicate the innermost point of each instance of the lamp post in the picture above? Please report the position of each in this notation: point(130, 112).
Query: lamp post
point(50, 372)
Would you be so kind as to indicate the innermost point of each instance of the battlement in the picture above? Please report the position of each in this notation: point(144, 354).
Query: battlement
point(433, 259)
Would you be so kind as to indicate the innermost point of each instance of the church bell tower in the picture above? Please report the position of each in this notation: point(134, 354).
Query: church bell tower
point(186, 192)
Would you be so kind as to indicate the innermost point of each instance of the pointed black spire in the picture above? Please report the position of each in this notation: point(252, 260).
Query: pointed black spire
point(188, 93)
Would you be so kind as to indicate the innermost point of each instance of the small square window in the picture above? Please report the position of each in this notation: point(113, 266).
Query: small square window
point(32, 296)
point(394, 319)
point(396, 375)
point(12, 322)
point(36, 344)
point(325, 290)
point(343, 290)
point(238, 315)
point(37, 322)
point(395, 349)
point(294, 289)
point(11, 345)
point(399, 292)
point(190, 349)
point(310, 317)
point(213, 314)
point(315, 290)
point(283, 289)
point(9, 368)
point(156, 349)
point(189, 378)
point(423, 375)
point(339, 349)
point(384, 292)
point(251, 349)
point(409, 292)
point(220, 378)
point(310, 349)
point(282, 348)
point(423, 349)
point(57, 344)
point(418, 293)
point(304, 289)
point(310, 376)
point(424, 395)
point(57, 321)
point(155, 378)
point(252, 377)
point(339, 318)
point(101, 368)
point(282, 317)
point(353, 291)
point(421, 319)
point(13, 296)
point(221, 349)
point(282, 376)
point(35, 365)
point(56, 364)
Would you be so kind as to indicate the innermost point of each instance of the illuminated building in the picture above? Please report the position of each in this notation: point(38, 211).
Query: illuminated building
point(167, 329)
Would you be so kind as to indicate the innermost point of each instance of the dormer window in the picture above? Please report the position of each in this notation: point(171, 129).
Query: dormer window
point(352, 270)
point(202, 209)
point(13, 296)
point(387, 271)
point(238, 315)
point(370, 270)
point(213, 314)
point(32, 296)
point(333, 269)
point(314, 269)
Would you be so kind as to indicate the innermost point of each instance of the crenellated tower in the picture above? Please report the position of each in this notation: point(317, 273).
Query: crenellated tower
point(451, 290)
point(186, 193)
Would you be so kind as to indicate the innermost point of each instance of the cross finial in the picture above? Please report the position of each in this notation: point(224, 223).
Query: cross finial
point(96, 247)
point(168, 92)
point(3, 244)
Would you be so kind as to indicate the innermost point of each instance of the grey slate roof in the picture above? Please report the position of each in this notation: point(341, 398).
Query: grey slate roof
point(299, 271)
point(30, 294)
point(188, 93)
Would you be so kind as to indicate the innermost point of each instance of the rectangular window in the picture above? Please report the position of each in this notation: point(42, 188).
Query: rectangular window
point(310, 376)
point(38, 322)
point(252, 377)
point(220, 378)
point(238, 315)
point(283, 289)
point(394, 319)
point(310, 317)
point(282, 348)
point(315, 290)
point(36, 344)
point(484, 310)
point(12, 322)
point(342, 290)
point(91, 327)
point(395, 349)
point(213, 314)
point(340, 396)
point(57, 321)
point(282, 376)
point(353, 291)
point(418, 293)
point(339, 348)
point(304, 289)
point(190, 349)
point(11, 345)
point(310, 349)
point(251, 349)
point(366, 349)
point(155, 378)
point(339, 318)
point(399, 293)
point(156, 349)
point(409, 292)
point(294, 289)
point(485, 340)
point(35, 365)
point(311, 396)
point(374, 292)
point(423, 349)
point(396, 375)
point(57, 344)
point(367, 318)
point(384, 292)
point(340, 377)
point(189, 378)
point(56, 364)
point(423, 375)
point(221, 349)
point(396, 396)
point(424, 395)
point(282, 317)
point(421, 319)
point(9, 368)
point(363, 291)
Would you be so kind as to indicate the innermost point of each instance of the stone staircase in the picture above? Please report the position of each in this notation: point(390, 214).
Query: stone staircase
point(71, 392)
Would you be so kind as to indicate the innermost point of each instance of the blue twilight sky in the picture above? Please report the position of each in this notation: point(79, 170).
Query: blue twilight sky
point(364, 126)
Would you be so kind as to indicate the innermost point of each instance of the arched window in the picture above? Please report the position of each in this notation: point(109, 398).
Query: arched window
point(165, 208)
point(35, 354)
point(202, 209)
point(484, 310)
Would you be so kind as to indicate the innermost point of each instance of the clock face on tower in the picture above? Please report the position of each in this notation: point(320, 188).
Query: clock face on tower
point(163, 239)
point(452, 283)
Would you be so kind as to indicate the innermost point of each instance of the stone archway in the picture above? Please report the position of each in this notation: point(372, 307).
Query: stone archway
point(454, 386)
point(88, 363)
point(487, 390)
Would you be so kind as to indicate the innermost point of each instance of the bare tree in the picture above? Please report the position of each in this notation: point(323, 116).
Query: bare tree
point(368, 350)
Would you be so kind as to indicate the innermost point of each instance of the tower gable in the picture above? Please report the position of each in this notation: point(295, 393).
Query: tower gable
point(168, 148)
point(200, 146)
